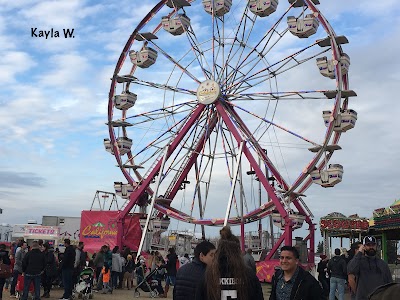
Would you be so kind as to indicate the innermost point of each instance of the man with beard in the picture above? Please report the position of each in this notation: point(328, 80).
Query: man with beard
point(369, 270)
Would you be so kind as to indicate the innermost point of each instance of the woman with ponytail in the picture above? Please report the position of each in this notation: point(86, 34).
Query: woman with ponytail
point(228, 276)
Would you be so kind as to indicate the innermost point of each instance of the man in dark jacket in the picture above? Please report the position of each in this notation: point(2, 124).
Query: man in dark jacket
point(338, 269)
point(369, 270)
point(292, 282)
point(190, 274)
point(33, 266)
point(68, 269)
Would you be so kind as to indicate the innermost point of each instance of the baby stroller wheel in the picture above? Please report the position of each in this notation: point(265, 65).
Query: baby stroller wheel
point(136, 294)
point(153, 294)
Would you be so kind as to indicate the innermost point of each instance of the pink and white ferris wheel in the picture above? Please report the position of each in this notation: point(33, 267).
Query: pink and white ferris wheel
point(225, 112)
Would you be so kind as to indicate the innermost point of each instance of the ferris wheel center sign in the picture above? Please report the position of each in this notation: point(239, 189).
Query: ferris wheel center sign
point(208, 91)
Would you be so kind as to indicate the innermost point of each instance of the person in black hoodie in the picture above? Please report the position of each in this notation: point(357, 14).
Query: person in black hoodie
point(50, 271)
point(33, 266)
point(189, 275)
point(323, 276)
point(171, 270)
point(228, 276)
point(337, 267)
point(292, 282)
point(67, 269)
point(369, 270)
point(6, 260)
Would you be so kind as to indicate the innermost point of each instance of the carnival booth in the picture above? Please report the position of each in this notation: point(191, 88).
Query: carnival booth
point(386, 226)
point(338, 225)
point(32, 232)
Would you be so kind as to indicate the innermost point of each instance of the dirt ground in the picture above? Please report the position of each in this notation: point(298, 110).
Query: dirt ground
point(125, 294)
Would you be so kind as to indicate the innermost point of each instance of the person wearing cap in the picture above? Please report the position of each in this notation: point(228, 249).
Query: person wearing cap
point(370, 271)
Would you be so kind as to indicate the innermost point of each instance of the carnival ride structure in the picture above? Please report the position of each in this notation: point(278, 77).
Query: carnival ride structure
point(209, 107)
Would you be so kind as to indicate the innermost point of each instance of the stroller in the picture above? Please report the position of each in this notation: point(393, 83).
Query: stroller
point(19, 288)
point(84, 287)
point(151, 283)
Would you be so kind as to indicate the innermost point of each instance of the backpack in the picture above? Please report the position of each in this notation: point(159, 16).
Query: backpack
point(5, 270)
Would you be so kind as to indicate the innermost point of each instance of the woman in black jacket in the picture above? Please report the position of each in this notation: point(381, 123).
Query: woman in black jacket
point(6, 260)
point(227, 275)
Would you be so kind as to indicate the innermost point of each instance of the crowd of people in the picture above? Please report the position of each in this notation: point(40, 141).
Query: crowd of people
point(359, 269)
point(213, 273)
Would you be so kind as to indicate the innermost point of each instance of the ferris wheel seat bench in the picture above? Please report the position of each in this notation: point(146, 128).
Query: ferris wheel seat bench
point(263, 8)
point(125, 101)
point(124, 144)
point(328, 178)
point(303, 28)
point(221, 7)
point(108, 146)
point(327, 66)
point(345, 120)
point(163, 201)
point(176, 25)
point(143, 58)
point(296, 219)
point(123, 190)
point(301, 3)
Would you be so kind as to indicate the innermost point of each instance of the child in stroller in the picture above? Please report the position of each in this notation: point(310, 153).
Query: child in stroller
point(151, 283)
point(84, 287)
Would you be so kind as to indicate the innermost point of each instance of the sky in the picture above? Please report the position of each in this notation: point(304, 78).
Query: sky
point(54, 97)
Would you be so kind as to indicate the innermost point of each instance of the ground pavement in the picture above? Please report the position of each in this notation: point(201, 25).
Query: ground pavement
point(125, 294)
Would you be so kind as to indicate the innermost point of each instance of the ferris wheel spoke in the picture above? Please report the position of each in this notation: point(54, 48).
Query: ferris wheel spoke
point(164, 137)
point(282, 95)
point(241, 37)
point(281, 67)
point(247, 133)
point(163, 86)
point(276, 125)
point(195, 149)
point(196, 47)
point(175, 62)
point(264, 40)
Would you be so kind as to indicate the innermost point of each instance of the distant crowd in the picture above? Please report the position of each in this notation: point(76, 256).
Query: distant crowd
point(212, 274)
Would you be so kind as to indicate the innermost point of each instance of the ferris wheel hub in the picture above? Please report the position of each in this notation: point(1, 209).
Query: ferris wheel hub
point(208, 92)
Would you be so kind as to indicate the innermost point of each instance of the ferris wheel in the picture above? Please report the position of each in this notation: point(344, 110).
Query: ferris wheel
point(225, 112)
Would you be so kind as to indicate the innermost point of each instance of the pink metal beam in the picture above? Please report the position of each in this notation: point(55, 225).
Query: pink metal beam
point(260, 174)
point(260, 151)
point(135, 195)
point(275, 247)
point(206, 134)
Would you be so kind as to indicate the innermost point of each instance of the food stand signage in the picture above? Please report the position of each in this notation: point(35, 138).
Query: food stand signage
point(344, 224)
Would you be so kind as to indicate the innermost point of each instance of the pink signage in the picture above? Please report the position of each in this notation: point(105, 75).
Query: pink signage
point(99, 228)
point(41, 230)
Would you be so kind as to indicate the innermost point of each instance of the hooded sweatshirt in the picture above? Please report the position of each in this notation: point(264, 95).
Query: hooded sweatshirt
point(370, 272)
point(337, 267)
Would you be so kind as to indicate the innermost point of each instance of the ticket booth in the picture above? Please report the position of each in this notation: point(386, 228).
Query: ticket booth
point(50, 234)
